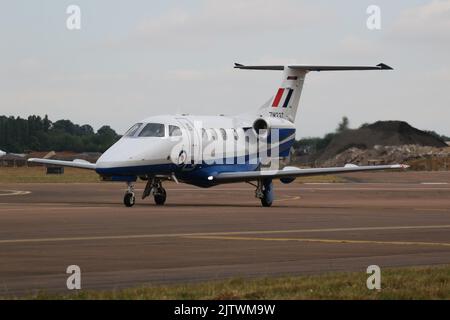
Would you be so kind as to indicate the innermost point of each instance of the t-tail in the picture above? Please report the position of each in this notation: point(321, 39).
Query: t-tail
point(284, 103)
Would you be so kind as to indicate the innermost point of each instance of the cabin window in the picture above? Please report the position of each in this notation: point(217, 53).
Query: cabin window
point(224, 133)
point(131, 132)
point(152, 130)
point(213, 134)
point(174, 131)
point(205, 135)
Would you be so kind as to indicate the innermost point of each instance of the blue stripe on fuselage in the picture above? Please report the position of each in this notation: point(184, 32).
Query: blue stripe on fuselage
point(191, 174)
point(198, 174)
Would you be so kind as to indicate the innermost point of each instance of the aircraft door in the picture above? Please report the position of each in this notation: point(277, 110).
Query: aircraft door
point(191, 138)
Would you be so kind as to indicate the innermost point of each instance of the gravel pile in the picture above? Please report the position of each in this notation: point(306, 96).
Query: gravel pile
point(386, 155)
point(382, 140)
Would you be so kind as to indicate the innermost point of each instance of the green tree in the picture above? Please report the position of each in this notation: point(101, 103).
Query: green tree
point(343, 125)
point(40, 134)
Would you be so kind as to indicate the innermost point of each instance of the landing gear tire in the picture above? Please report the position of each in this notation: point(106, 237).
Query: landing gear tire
point(129, 199)
point(160, 197)
point(264, 191)
point(265, 202)
point(154, 187)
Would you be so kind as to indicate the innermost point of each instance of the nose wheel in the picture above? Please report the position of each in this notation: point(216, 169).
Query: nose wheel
point(129, 198)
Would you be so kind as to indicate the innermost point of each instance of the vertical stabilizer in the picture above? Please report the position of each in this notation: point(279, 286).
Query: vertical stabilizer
point(285, 101)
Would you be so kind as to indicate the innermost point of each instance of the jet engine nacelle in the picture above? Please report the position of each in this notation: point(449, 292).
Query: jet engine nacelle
point(262, 126)
point(287, 180)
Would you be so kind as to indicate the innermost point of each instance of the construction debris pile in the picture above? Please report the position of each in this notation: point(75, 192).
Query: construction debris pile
point(383, 142)
point(420, 157)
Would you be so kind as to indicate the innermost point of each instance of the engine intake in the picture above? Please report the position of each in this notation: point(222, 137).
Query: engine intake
point(261, 127)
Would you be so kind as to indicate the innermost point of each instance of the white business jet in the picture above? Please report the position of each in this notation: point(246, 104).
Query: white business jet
point(207, 151)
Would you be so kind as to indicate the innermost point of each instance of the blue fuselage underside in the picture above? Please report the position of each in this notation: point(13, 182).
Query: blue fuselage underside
point(192, 174)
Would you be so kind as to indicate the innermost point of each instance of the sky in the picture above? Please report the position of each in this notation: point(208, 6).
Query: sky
point(131, 60)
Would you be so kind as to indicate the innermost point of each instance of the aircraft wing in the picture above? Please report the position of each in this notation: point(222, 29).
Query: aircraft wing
point(293, 172)
point(82, 164)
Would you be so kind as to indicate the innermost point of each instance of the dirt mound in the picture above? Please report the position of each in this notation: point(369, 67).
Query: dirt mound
point(381, 133)
point(436, 158)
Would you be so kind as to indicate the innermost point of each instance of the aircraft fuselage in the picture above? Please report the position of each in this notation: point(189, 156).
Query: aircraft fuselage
point(192, 148)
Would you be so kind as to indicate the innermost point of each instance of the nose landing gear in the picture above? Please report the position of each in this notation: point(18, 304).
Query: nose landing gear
point(129, 199)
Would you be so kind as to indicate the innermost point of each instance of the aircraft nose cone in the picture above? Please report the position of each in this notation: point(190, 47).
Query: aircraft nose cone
point(114, 156)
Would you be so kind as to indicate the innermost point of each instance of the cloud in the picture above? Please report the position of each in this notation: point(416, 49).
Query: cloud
point(186, 75)
point(216, 19)
point(429, 23)
point(29, 64)
point(180, 60)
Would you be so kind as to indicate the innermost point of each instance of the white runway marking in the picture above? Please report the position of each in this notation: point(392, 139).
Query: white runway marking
point(13, 193)
point(288, 199)
point(319, 183)
point(434, 183)
point(230, 233)
point(338, 241)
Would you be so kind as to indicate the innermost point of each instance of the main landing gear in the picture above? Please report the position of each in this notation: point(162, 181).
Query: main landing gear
point(264, 191)
point(154, 187)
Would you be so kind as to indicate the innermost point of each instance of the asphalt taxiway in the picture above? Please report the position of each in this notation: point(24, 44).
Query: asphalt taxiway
point(388, 219)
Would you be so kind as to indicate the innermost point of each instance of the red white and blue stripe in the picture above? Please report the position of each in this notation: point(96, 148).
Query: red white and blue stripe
point(282, 97)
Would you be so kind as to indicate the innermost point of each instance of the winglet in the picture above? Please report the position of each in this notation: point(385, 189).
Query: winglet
point(383, 66)
point(400, 166)
point(271, 67)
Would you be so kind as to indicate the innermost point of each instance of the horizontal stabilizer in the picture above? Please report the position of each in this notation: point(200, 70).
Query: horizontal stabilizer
point(307, 68)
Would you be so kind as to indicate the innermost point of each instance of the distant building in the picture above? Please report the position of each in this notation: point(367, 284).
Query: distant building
point(12, 160)
point(20, 160)
point(65, 155)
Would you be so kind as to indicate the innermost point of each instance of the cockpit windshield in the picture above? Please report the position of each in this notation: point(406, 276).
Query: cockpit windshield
point(132, 131)
point(152, 130)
